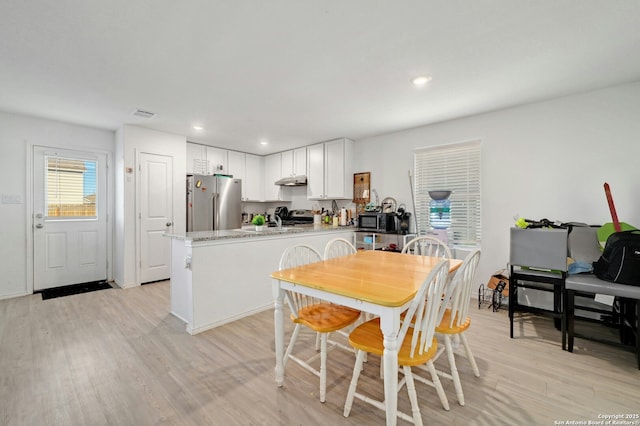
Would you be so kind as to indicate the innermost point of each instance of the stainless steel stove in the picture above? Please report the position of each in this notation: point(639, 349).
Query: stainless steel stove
point(296, 217)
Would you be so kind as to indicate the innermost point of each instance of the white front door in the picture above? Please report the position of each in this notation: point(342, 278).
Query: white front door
point(69, 217)
point(156, 216)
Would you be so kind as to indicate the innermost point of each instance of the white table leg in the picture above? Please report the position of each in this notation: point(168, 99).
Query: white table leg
point(390, 325)
point(278, 297)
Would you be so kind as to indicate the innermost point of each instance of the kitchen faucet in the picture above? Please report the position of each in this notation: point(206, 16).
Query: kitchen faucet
point(278, 221)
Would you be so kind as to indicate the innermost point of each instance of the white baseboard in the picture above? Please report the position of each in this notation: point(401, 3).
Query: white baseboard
point(13, 295)
point(205, 327)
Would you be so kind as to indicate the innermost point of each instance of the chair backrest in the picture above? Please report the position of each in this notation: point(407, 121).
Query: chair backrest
point(298, 255)
point(583, 244)
point(460, 289)
point(427, 246)
point(539, 248)
point(425, 310)
point(338, 247)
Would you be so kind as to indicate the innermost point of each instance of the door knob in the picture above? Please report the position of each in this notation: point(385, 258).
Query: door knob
point(169, 224)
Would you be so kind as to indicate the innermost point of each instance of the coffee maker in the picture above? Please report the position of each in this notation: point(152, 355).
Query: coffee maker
point(404, 218)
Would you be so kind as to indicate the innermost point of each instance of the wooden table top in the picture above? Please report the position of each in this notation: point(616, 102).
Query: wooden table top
point(380, 277)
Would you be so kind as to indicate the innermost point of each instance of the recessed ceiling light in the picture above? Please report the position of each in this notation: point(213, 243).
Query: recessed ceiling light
point(198, 128)
point(264, 143)
point(421, 80)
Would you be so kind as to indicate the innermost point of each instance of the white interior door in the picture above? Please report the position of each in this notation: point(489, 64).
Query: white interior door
point(156, 216)
point(69, 217)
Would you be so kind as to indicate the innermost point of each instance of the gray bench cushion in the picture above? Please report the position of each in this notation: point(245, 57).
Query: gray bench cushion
point(592, 284)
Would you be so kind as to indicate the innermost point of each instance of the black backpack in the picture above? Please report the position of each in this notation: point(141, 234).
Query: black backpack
point(620, 260)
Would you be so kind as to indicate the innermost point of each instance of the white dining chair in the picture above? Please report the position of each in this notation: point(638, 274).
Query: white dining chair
point(338, 247)
point(456, 321)
point(319, 316)
point(427, 246)
point(417, 344)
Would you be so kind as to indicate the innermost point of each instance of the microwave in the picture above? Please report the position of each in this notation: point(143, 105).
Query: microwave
point(378, 222)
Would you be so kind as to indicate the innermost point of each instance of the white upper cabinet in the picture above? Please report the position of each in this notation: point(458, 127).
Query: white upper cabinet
point(206, 160)
point(272, 173)
point(217, 159)
point(197, 159)
point(300, 161)
point(287, 163)
point(328, 167)
point(252, 185)
point(236, 164)
point(247, 167)
point(294, 162)
point(315, 172)
point(330, 170)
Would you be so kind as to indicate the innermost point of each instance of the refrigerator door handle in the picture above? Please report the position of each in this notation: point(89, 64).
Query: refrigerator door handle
point(216, 213)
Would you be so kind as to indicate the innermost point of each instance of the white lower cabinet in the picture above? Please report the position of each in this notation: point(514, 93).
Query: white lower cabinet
point(211, 284)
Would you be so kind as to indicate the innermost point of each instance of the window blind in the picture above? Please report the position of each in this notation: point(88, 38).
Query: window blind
point(454, 168)
point(71, 187)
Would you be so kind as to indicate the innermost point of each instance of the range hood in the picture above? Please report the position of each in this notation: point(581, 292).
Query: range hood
point(292, 181)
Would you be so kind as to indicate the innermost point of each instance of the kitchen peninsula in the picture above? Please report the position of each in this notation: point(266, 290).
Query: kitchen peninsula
point(221, 276)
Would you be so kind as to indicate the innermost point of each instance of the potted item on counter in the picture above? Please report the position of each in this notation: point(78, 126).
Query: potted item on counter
point(258, 221)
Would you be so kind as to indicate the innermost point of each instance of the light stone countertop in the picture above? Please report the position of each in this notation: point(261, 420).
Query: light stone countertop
point(250, 232)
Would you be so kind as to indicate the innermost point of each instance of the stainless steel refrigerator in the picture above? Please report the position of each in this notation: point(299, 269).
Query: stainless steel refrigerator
point(213, 203)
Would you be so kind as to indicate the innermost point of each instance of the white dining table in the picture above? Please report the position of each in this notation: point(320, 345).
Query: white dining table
point(378, 282)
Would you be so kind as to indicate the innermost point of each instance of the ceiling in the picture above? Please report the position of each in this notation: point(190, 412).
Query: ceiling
point(295, 72)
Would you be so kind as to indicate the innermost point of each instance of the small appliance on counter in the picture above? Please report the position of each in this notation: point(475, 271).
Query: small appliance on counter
point(404, 218)
point(377, 222)
point(389, 205)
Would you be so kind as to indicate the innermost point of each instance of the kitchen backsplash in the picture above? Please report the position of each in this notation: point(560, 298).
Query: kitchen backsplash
point(298, 201)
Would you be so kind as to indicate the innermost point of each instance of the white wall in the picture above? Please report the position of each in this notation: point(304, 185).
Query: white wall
point(548, 159)
point(543, 160)
point(131, 141)
point(17, 133)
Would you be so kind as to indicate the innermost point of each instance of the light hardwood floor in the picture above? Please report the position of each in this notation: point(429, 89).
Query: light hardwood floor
point(117, 357)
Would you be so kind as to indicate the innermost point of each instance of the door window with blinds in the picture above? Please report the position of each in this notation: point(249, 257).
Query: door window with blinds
point(70, 188)
point(453, 168)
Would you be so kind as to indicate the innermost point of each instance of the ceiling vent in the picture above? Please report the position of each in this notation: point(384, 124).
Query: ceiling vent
point(144, 114)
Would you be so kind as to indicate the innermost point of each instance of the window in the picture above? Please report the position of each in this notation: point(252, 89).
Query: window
point(70, 187)
point(454, 168)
